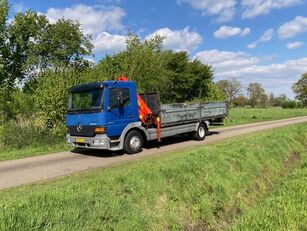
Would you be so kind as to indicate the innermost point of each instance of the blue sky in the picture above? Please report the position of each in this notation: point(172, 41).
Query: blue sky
point(252, 40)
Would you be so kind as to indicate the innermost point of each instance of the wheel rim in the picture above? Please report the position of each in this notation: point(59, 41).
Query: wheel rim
point(135, 142)
point(201, 131)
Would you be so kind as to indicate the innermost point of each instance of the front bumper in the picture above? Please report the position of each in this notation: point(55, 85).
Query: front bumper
point(99, 141)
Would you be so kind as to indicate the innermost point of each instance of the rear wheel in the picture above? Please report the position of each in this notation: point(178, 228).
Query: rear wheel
point(200, 133)
point(133, 142)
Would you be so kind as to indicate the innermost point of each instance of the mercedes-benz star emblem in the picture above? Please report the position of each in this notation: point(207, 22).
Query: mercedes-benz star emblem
point(79, 127)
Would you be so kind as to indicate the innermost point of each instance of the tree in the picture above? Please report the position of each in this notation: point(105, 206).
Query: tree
point(180, 80)
point(289, 104)
point(3, 43)
point(23, 35)
point(213, 93)
point(231, 88)
point(203, 85)
point(240, 101)
point(142, 62)
point(171, 73)
point(272, 100)
point(257, 96)
point(300, 89)
point(6, 111)
point(63, 44)
point(277, 101)
point(30, 44)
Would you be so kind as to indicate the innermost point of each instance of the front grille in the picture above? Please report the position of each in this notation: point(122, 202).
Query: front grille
point(86, 130)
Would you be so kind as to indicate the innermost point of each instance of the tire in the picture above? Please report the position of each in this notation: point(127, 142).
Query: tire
point(200, 134)
point(133, 142)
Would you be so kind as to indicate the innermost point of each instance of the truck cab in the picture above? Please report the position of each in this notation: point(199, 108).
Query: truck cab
point(99, 112)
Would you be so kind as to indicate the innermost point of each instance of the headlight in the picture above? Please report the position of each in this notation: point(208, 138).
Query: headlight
point(96, 142)
point(99, 142)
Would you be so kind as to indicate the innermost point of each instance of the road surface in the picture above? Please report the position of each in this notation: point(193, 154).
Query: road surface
point(41, 168)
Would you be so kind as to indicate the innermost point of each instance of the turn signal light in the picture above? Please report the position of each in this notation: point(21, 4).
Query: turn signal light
point(100, 130)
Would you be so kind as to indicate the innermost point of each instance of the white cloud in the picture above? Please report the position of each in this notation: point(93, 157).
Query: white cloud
point(265, 37)
point(226, 60)
point(294, 45)
point(252, 8)
point(292, 28)
point(93, 19)
point(224, 9)
point(18, 7)
point(228, 31)
point(245, 32)
point(106, 42)
point(178, 39)
point(276, 77)
point(173, 39)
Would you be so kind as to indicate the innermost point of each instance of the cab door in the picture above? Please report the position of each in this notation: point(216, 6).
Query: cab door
point(119, 110)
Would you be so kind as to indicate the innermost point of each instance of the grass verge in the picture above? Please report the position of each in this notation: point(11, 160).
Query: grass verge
point(284, 209)
point(203, 188)
point(252, 115)
point(10, 154)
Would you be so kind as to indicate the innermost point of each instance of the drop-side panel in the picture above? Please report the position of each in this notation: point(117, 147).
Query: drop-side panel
point(181, 113)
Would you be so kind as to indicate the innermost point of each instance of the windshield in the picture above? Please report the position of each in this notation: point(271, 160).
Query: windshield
point(85, 100)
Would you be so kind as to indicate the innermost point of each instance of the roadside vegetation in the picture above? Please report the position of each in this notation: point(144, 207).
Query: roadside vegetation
point(215, 187)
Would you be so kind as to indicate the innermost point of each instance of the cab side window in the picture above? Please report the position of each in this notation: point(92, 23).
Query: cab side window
point(117, 94)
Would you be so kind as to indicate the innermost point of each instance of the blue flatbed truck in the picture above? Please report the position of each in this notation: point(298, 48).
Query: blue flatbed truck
point(106, 115)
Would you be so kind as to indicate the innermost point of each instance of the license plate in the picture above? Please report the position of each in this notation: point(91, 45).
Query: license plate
point(80, 140)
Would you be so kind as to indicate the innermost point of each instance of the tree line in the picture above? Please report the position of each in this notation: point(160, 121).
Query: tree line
point(257, 97)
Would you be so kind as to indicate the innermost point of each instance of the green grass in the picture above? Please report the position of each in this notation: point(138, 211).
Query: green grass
point(285, 209)
point(251, 115)
point(207, 187)
point(10, 154)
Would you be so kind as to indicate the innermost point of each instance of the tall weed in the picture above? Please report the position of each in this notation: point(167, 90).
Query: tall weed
point(24, 132)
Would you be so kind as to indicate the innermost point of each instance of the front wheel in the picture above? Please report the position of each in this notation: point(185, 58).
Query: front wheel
point(200, 133)
point(133, 142)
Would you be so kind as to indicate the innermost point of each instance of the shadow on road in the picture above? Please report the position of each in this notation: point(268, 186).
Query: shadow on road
point(97, 152)
point(148, 145)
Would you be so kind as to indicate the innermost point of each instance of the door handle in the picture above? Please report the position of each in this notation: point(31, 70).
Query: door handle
point(130, 116)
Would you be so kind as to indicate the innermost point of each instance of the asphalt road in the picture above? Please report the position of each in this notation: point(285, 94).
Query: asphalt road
point(41, 168)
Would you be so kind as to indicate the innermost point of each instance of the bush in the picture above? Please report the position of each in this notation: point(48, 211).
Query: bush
point(22, 103)
point(289, 104)
point(24, 131)
point(13, 103)
point(51, 94)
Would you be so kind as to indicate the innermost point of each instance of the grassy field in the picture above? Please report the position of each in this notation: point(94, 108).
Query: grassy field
point(251, 115)
point(213, 187)
point(236, 116)
point(285, 209)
